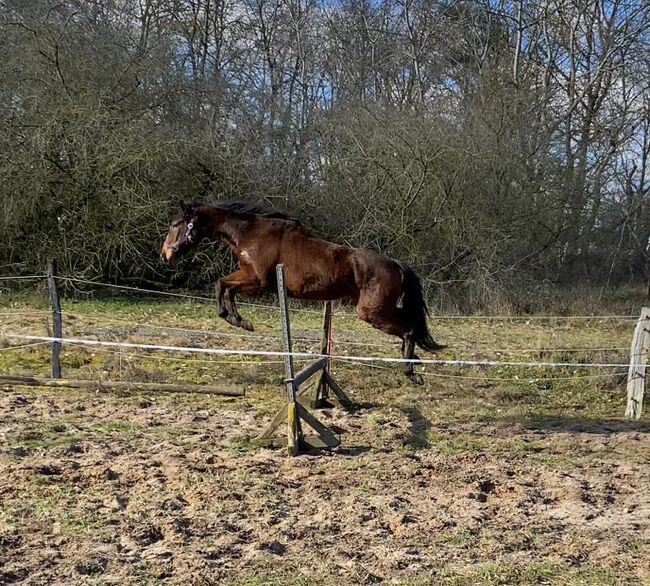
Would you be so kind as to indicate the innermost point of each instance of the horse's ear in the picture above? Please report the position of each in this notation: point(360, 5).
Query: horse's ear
point(186, 208)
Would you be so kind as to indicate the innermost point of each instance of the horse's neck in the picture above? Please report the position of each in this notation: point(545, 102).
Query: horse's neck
point(228, 227)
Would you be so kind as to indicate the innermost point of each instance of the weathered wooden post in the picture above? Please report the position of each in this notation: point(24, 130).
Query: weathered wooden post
point(293, 421)
point(57, 327)
point(293, 411)
point(323, 389)
point(638, 358)
point(328, 391)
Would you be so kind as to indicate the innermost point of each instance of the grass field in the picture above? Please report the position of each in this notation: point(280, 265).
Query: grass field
point(500, 475)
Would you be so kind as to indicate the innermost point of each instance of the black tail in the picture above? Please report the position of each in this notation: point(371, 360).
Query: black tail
point(414, 310)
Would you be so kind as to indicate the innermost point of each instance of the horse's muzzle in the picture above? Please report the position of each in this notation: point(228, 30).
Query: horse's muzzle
point(168, 252)
point(167, 256)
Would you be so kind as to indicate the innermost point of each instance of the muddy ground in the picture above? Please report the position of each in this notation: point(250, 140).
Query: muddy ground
point(489, 479)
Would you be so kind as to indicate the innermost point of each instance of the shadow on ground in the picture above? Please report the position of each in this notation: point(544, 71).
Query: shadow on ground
point(578, 425)
point(419, 425)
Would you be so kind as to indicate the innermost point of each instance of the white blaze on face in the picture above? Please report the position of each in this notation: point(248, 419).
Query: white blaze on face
point(167, 250)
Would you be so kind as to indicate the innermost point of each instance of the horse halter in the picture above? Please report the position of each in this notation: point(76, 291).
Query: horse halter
point(188, 231)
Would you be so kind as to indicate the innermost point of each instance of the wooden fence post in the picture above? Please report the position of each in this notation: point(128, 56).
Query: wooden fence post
point(322, 390)
point(293, 421)
point(328, 392)
point(57, 326)
point(638, 358)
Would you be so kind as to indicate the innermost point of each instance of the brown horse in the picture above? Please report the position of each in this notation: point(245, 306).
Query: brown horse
point(315, 269)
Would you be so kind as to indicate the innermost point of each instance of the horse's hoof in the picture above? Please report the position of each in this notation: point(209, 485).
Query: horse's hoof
point(247, 325)
point(223, 312)
point(416, 378)
point(232, 320)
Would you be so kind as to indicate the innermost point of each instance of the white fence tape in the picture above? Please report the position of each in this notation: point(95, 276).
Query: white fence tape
point(244, 352)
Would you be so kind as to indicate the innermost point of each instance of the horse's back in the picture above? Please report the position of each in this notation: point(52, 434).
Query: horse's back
point(320, 270)
point(317, 269)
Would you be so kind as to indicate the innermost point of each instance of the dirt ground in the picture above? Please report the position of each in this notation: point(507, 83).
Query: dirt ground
point(490, 479)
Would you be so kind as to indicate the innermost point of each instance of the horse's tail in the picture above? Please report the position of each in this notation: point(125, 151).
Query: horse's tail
point(414, 310)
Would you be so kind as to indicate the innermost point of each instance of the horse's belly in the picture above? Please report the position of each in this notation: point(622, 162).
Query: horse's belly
point(319, 287)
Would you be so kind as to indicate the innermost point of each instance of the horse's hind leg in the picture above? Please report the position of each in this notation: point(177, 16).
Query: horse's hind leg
point(408, 352)
point(417, 358)
point(387, 320)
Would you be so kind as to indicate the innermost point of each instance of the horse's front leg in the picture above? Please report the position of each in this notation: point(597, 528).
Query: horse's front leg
point(233, 317)
point(240, 281)
point(219, 292)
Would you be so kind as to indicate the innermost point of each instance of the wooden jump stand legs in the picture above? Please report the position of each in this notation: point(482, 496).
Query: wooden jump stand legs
point(327, 393)
point(327, 389)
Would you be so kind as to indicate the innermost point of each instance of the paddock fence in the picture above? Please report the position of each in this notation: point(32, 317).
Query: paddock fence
point(357, 352)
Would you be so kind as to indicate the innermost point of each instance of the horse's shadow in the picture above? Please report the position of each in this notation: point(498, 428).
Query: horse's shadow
point(419, 425)
point(353, 450)
point(578, 425)
point(415, 438)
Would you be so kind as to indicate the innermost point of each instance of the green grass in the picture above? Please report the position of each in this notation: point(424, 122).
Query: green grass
point(51, 441)
point(118, 427)
point(269, 581)
point(492, 574)
point(485, 574)
point(49, 504)
point(240, 443)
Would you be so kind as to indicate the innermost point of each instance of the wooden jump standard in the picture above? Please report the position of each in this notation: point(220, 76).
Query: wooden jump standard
point(327, 389)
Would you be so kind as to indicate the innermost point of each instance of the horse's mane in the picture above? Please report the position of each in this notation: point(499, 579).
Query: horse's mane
point(252, 209)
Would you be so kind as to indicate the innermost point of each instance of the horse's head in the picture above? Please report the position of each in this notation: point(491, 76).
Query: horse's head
point(184, 233)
